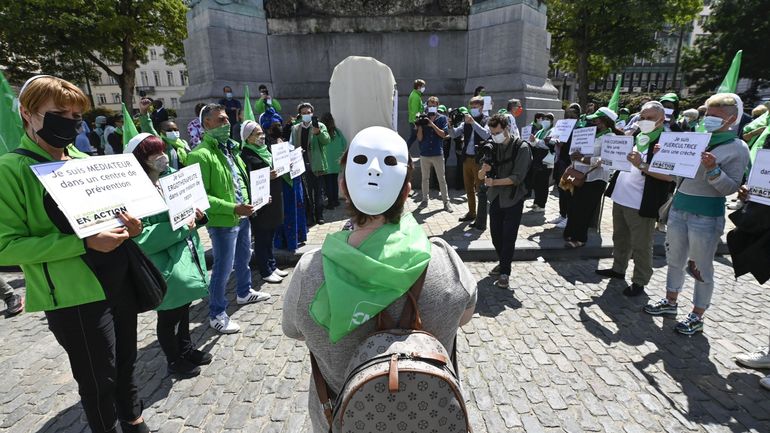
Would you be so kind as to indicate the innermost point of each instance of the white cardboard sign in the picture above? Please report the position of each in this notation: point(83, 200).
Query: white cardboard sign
point(680, 153)
point(184, 192)
point(281, 157)
point(583, 140)
point(615, 150)
point(260, 187)
point(297, 163)
point(563, 129)
point(759, 178)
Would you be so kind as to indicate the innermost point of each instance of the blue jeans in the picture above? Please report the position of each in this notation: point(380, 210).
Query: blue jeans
point(692, 237)
point(232, 249)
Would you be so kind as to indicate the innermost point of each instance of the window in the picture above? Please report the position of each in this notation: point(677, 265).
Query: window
point(170, 78)
point(144, 79)
point(102, 98)
point(183, 77)
point(116, 98)
point(153, 54)
point(156, 75)
point(111, 79)
point(174, 102)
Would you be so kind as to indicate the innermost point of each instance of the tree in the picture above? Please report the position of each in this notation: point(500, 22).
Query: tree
point(75, 38)
point(592, 38)
point(733, 25)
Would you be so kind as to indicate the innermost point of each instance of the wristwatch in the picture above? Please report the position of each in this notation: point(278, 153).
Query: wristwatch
point(643, 166)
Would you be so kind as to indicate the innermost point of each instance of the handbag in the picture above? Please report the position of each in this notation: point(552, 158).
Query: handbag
point(573, 178)
point(665, 209)
point(145, 279)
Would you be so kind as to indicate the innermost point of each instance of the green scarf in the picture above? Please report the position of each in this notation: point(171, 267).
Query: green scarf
point(261, 152)
point(542, 133)
point(720, 138)
point(361, 282)
point(759, 143)
point(652, 136)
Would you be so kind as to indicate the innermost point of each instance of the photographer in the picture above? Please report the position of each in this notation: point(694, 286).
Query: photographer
point(505, 179)
point(266, 101)
point(431, 131)
point(474, 131)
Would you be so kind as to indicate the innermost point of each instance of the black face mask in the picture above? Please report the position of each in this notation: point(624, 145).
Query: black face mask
point(58, 131)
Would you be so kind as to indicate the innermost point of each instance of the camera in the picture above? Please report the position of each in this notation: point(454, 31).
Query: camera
point(421, 119)
point(488, 151)
point(456, 116)
point(315, 122)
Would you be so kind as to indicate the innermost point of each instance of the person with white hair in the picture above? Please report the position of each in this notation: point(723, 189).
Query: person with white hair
point(689, 120)
point(697, 216)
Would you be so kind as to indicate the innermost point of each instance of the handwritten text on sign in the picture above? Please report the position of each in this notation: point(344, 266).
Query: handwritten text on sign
point(615, 150)
point(281, 158)
point(92, 191)
point(583, 140)
point(184, 192)
point(297, 163)
point(680, 153)
point(759, 178)
point(260, 187)
point(563, 129)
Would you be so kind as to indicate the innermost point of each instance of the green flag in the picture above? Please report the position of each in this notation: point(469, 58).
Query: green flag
point(11, 128)
point(730, 83)
point(129, 129)
point(248, 114)
point(615, 100)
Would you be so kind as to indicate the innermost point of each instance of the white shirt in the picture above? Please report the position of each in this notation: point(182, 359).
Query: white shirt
point(629, 187)
point(514, 130)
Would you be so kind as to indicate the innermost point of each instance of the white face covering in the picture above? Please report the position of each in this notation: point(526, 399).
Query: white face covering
point(376, 168)
point(499, 138)
point(646, 126)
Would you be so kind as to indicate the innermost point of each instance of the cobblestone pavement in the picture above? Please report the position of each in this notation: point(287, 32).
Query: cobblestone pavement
point(562, 352)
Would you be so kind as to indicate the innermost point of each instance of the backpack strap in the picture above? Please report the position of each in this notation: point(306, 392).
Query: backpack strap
point(323, 390)
point(410, 316)
point(30, 154)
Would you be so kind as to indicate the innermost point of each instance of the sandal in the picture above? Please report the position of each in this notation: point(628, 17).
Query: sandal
point(574, 244)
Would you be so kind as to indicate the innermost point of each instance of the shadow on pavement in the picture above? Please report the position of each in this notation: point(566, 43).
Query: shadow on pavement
point(493, 300)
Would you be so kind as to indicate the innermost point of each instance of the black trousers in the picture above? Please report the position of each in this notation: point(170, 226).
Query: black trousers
point(481, 208)
point(585, 204)
point(565, 201)
point(100, 341)
point(263, 249)
point(504, 227)
point(315, 207)
point(174, 332)
point(540, 180)
point(332, 188)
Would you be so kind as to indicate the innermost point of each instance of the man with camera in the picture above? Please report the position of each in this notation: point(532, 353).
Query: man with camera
point(504, 169)
point(312, 136)
point(474, 131)
point(431, 131)
point(266, 101)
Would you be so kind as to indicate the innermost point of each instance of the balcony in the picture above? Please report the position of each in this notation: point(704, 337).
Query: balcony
point(145, 90)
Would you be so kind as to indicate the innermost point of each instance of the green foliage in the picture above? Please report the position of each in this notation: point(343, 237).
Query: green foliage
point(733, 25)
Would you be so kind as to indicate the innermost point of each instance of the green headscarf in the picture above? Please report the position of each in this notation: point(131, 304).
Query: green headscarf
point(361, 282)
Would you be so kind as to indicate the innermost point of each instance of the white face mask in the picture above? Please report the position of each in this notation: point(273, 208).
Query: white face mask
point(307, 118)
point(159, 165)
point(433, 110)
point(646, 126)
point(499, 138)
point(376, 169)
point(422, 89)
point(172, 135)
point(545, 124)
point(229, 95)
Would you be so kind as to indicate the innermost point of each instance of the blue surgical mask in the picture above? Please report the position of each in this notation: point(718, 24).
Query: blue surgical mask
point(712, 123)
point(307, 118)
point(475, 112)
point(229, 95)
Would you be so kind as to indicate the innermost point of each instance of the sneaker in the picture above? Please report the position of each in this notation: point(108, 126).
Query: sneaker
point(448, 207)
point(467, 217)
point(537, 209)
point(320, 221)
point(280, 273)
point(735, 205)
point(758, 359)
point(14, 304)
point(690, 325)
point(633, 290)
point(183, 368)
point(502, 281)
point(562, 224)
point(134, 428)
point(556, 220)
point(255, 296)
point(609, 273)
point(223, 324)
point(273, 278)
point(531, 205)
point(495, 271)
point(660, 308)
point(198, 357)
point(660, 227)
point(765, 382)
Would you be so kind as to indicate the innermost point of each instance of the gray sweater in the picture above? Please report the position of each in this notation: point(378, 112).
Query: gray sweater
point(732, 158)
point(516, 170)
point(449, 290)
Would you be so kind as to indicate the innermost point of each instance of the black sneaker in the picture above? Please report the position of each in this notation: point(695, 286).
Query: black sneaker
point(14, 304)
point(134, 428)
point(690, 325)
point(495, 271)
point(466, 218)
point(183, 368)
point(198, 357)
point(661, 308)
point(633, 290)
point(609, 273)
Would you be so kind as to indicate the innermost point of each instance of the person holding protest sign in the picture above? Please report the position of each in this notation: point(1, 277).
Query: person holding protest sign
point(586, 199)
point(561, 162)
point(267, 219)
point(179, 255)
point(227, 185)
point(176, 148)
point(637, 195)
point(82, 285)
point(542, 163)
point(696, 219)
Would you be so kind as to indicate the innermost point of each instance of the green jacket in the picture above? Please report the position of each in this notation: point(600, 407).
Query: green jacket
point(55, 273)
point(218, 181)
point(260, 106)
point(181, 146)
point(334, 151)
point(317, 148)
point(171, 253)
point(414, 105)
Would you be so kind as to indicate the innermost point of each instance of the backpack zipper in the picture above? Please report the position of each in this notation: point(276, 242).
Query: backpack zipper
point(51, 287)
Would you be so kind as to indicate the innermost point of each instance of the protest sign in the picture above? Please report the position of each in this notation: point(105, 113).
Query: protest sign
point(260, 187)
point(526, 132)
point(759, 178)
point(680, 153)
point(615, 150)
point(563, 129)
point(297, 163)
point(487, 104)
point(92, 191)
point(583, 140)
point(281, 157)
point(184, 192)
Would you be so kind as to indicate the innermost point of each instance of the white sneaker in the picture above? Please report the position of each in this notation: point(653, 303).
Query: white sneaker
point(273, 278)
point(736, 205)
point(448, 207)
point(253, 296)
point(536, 208)
point(223, 324)
point(660, 227)
point(562, 224)
point(765, 382)
point(758, 359)
point(531, 205)
point(557, 220)
point(281, 273)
